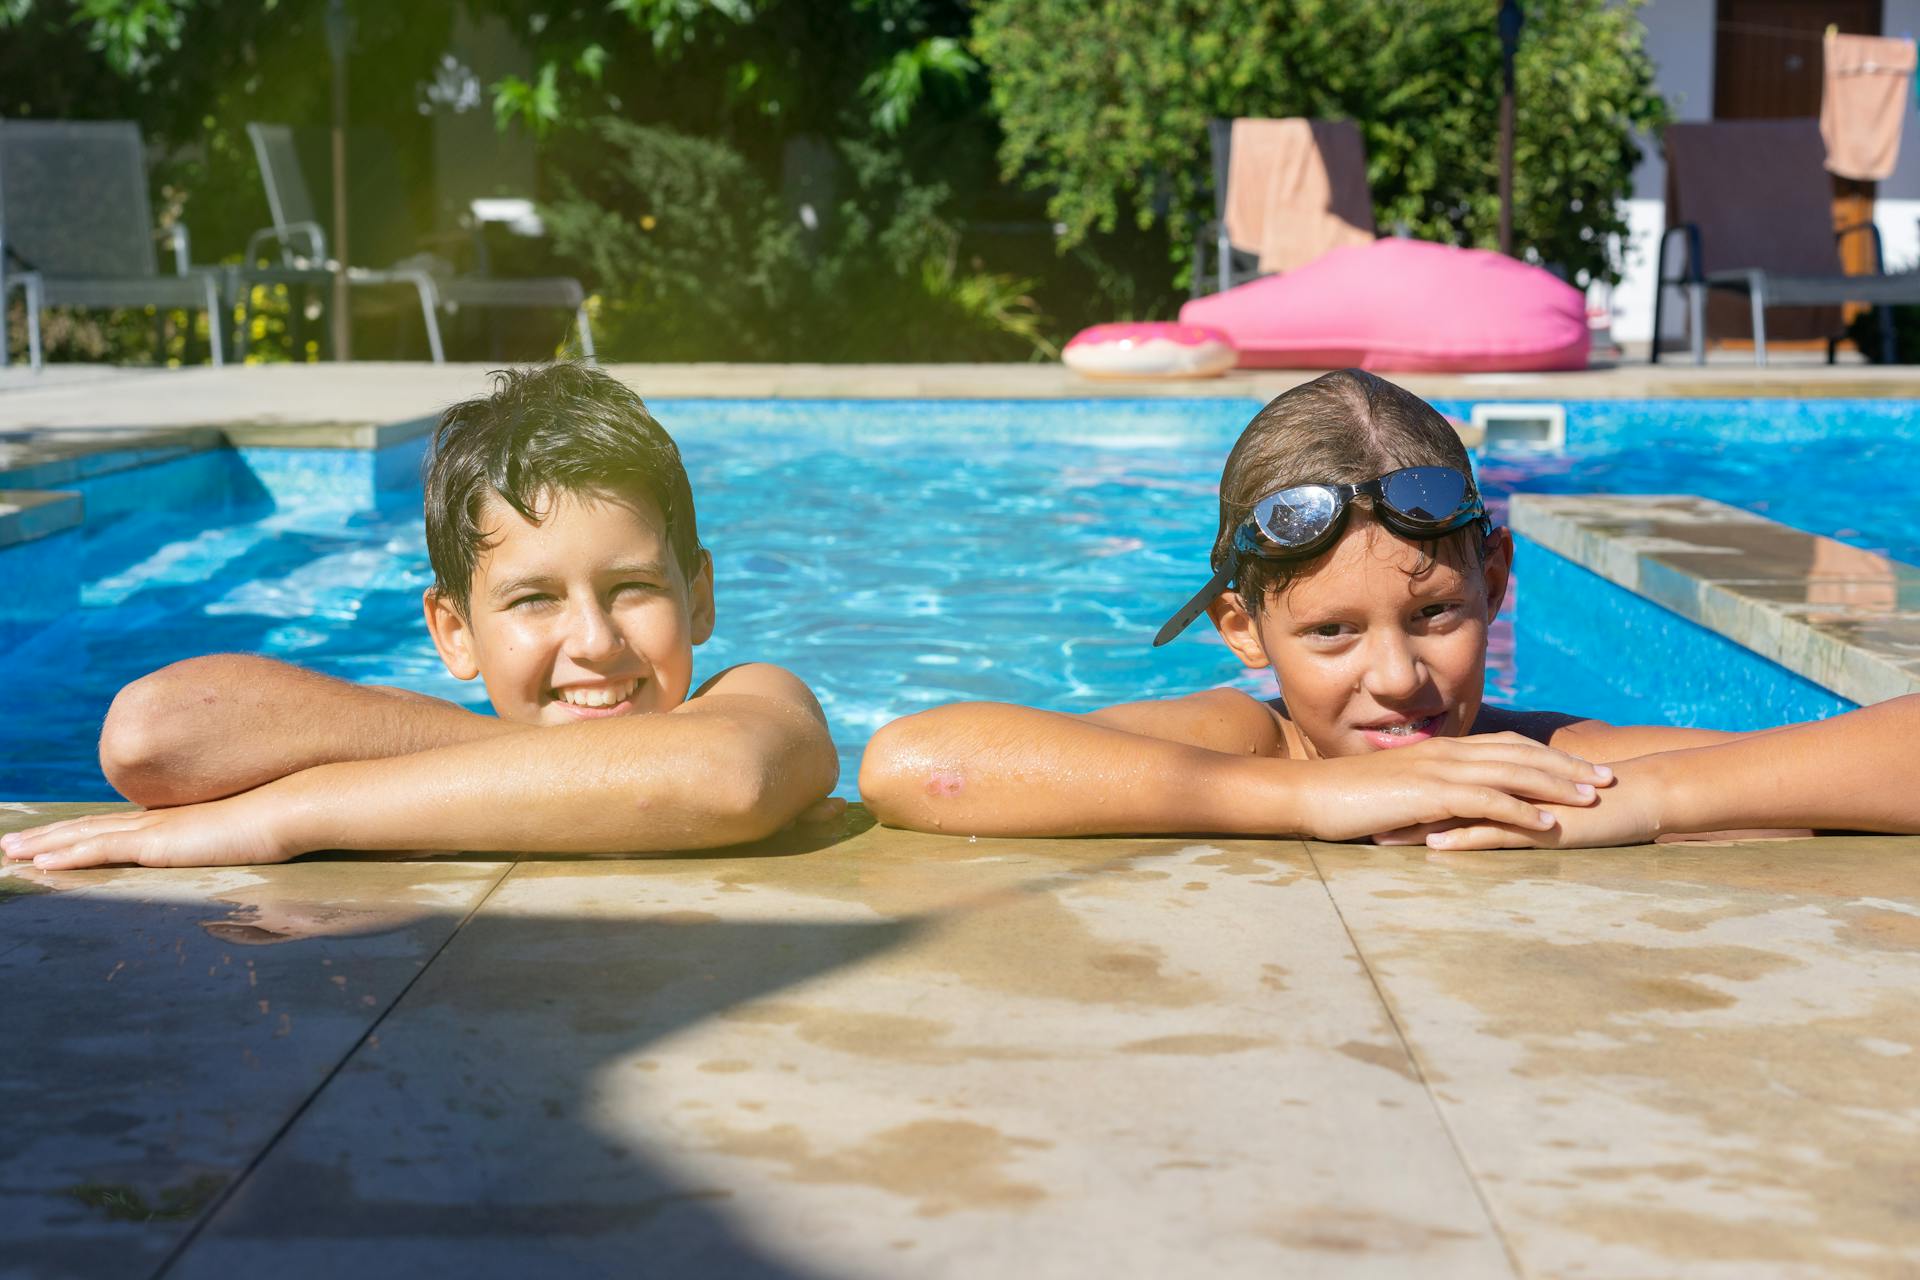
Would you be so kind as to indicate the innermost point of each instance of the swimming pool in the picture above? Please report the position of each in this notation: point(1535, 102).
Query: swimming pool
point(903, 554)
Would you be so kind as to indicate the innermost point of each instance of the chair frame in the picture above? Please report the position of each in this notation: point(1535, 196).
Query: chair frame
point(314, 266)
point(1232, 265)
point(1764, 288)
point(33, 280)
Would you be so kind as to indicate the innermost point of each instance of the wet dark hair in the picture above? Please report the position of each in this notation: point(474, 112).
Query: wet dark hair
point(1344, 427)
point(551, 430)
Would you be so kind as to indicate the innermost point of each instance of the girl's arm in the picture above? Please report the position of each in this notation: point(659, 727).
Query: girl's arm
point(1853, 772)
point(214, 726)
point(734, 764)
point(1598, 740)
point(1187, 765)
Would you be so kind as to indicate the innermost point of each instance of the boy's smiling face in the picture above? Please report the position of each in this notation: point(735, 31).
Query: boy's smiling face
point(1381, 642)
point(584, 615)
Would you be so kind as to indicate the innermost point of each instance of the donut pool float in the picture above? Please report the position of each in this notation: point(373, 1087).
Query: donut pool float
point(1156, 349)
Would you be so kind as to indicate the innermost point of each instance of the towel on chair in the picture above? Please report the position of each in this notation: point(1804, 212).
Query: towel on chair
point(1863, 102)
point(1297, 189)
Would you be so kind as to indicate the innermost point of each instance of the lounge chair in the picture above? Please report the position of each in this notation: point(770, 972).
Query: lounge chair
point(1301, 193)
point(1750, 205)
point(76, 228)
point(302, 256)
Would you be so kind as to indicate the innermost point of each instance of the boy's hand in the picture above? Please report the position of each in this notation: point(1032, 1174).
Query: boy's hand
point(1491, 781)
point(224, 833)
point(1628, 813)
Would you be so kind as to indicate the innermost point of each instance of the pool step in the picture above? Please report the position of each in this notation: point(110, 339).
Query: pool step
point(49, 459)
point(1846, 618)
point(29, 514)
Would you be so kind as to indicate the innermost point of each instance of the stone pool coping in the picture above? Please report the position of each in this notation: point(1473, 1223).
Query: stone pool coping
point(869, 1052)
point(390, 392)
point(1845, 618)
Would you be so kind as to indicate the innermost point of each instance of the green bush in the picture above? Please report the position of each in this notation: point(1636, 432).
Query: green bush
point(693, 257)
point(683, 241)
point(1104, 104)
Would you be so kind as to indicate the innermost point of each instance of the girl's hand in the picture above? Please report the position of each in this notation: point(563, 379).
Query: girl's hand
point(1628, 813)
point(1490, 781)
point(237, 831)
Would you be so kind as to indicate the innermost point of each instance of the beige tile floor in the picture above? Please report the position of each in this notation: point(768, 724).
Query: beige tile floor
point(886, 1054)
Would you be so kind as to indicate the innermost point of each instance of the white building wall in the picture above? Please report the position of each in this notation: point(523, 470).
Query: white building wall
point(1680, 38)
point(1896, 203)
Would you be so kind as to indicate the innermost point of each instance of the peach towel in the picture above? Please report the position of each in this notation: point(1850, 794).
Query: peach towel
point(1296, 189)
point(1863, 103)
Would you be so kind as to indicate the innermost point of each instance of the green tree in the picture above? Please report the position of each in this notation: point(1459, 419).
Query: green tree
point(1104, 105)
point(695, 258)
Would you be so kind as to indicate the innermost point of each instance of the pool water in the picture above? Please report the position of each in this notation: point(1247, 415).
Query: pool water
point(897, 556)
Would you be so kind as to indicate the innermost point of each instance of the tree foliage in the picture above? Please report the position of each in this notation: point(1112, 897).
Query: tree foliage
point(959, 132)
point(1104, 104)
point(696, 258)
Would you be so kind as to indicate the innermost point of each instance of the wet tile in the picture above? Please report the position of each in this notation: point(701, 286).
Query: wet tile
point(161, 1027)
point(900, 1055)
point(1682, 1059)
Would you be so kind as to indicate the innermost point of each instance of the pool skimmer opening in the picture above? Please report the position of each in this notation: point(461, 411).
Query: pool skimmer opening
point(1522, 428)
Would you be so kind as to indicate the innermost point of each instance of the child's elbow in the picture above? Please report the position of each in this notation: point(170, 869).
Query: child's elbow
point(745, 806)
point(888, 769)
point(754, 795)
point(136, 745)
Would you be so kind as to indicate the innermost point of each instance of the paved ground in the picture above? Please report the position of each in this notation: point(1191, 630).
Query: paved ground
point(321, 394)
point(899, 1055)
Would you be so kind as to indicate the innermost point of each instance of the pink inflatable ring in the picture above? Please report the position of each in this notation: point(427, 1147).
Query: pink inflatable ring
point(1159, 349)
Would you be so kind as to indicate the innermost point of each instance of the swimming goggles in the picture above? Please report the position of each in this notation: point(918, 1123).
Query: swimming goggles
point(1293, 524)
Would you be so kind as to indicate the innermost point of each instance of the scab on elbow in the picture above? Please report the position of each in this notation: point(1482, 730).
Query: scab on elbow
point(900, 779)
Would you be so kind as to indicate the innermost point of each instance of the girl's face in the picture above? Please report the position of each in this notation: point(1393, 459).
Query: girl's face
point(1377, 644)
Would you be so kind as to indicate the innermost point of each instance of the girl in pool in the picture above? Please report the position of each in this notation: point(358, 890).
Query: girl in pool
point(1355, 558)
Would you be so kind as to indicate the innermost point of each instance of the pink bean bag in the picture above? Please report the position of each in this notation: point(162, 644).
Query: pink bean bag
point(1403, 305)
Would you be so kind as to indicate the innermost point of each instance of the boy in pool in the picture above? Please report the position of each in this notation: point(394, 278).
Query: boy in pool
point(1354, 557)
point(569, 577)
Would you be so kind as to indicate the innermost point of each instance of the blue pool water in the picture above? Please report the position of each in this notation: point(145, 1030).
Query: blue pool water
point(901, 555)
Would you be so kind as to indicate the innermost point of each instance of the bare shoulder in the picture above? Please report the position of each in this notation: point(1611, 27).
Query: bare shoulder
point(758, 680)
point(1216, 719)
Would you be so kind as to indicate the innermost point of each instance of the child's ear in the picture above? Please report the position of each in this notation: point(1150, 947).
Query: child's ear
point(1234, 622)
point(700, 599)
point(452, 635)
point(1496, 568)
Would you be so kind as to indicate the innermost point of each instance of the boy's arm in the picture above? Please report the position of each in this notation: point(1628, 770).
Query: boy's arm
point(996, 769)
point(737, 763)
point(1853, 772)
point(213, 726)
